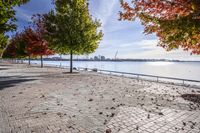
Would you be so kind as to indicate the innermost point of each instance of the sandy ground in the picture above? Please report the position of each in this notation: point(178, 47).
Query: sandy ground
point(34, 99)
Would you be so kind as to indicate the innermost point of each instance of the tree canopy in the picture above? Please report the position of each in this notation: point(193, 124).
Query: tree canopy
point(70, 29)
point(34, 36)
point(175, 22)
point(16, 47)
point(28, 43)
point(7, 14)
point(3, 43)
point(36, 44)
point(7, 19)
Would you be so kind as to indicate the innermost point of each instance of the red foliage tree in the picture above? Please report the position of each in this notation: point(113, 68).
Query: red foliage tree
point(16, 47)
point(36, 45)
point(175, 22)
point(29, 42)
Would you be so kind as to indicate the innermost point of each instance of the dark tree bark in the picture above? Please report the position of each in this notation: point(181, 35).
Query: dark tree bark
point(71, 63)
point(29, 60)
point(41, 61)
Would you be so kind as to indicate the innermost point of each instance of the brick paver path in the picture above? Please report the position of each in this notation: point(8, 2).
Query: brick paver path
point(48, 100)
point(131, 119)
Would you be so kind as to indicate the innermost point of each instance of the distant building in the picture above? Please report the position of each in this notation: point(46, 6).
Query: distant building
point(99, 57)
point(103, 58)
point(96, 58)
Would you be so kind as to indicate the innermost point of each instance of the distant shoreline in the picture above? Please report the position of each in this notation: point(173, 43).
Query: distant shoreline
point(118, 60)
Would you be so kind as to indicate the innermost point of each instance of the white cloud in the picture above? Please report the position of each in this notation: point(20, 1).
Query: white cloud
point(144, 49)
point(23, 15)
point(155, 52)
point(103, 10)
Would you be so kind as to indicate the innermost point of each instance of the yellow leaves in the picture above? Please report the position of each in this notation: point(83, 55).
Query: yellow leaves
point(194, 42)
point(194, 6)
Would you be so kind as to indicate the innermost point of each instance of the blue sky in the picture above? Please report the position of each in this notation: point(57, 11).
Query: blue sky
point(125, 37)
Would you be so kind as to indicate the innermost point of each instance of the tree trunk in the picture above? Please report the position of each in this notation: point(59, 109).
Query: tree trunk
point(29, 60)
point(71, 59)
point(1, 55)
point(41, 61)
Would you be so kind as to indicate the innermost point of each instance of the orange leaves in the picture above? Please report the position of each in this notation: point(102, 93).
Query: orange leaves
point(170, 20)
point(36, 45)
point(16, 47)
point(27, 43)
point(163, 9)
point(129, 13)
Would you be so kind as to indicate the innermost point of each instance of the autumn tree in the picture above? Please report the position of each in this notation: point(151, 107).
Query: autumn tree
point(175, 22)
point(16, 47)
point(70, 29)
point(28, 43)
point(7, 19)
point(36, 44)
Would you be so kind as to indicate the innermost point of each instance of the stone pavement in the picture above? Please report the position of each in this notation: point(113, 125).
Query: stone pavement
point(134, 120)
point(50, 100)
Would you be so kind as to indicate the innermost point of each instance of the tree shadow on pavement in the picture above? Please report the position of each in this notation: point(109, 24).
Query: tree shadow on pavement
point(4, 65)
point(4, 69)
point(11, 82)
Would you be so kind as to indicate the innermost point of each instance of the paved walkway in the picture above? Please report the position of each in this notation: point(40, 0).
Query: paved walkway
point(51, 100)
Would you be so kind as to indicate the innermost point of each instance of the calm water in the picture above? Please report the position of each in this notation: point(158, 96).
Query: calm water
point(186, 70)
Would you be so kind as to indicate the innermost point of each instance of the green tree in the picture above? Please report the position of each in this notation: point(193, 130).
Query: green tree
point(7, 19)
point(70, 29)
point(3, 43)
